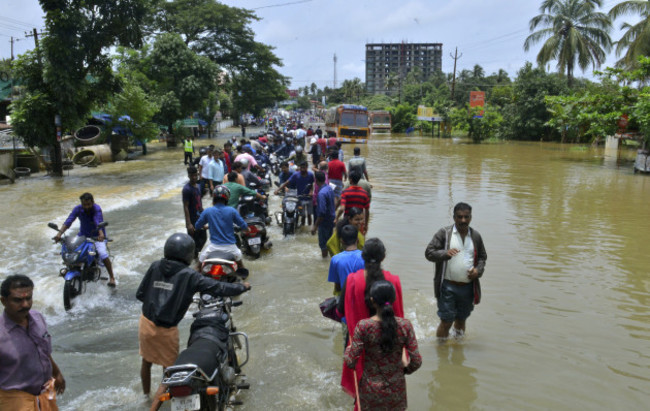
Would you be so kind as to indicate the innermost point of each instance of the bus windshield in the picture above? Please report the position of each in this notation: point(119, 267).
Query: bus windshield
point(381, 119)
point(361, 120)
point(347, 119)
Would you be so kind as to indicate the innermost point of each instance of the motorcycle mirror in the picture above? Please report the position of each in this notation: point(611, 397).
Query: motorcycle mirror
point(53, 226)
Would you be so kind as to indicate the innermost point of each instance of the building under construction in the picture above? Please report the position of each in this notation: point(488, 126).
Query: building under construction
point(396, 60)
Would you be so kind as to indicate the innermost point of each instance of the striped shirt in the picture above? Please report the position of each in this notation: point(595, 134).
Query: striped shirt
point(355, 196)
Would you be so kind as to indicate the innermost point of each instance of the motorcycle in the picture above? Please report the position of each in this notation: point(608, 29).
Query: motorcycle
point(82, 264)
point(255, 214)
point(207, 374)
point(221, 266)
point(293, 212)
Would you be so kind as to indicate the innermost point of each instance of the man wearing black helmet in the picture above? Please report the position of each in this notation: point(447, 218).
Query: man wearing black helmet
point(166, 292)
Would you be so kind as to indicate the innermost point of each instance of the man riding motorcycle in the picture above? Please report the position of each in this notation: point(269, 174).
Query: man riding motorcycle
point(90, 215)
point(166, 292)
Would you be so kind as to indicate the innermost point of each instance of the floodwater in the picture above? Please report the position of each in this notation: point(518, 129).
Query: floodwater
point(564, 322)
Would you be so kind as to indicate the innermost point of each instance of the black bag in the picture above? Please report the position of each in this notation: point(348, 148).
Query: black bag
point(328, 308)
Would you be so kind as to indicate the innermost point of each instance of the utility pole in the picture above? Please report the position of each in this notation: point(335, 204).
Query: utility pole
point(335, 70)
point(35, 35)
point(12, 48)
point(453, 82)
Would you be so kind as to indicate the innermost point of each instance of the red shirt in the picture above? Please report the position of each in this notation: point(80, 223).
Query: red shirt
point(323, 145)
point(335, 169)
point(355, 196)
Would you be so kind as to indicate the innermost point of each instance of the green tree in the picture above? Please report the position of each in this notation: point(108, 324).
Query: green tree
point(184, 80)
point(575, 33)
point(635, 41)
point(352, 90)
point(526, 115)
point(133, 102)
point(313, 88)
point(260, 85)
point(223, 34)
point(403, 116)
point(70, 72)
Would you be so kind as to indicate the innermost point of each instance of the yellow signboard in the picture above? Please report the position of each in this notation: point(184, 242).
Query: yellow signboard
point(427, 114)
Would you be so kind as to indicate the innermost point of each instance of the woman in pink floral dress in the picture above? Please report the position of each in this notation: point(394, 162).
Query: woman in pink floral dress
point(391, 351)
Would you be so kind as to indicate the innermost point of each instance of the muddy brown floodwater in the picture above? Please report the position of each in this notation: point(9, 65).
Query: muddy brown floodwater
point(564, 322)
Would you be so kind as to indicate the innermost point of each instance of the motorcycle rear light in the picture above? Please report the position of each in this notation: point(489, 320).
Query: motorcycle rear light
point(216, 271)
point(180, 391)
point(165, 397)
point(253, 230)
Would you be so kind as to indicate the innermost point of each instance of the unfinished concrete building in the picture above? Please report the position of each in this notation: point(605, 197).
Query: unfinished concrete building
point(388, 63)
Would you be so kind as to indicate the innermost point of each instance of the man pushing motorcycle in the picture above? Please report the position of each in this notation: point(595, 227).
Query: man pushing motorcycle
point(90, 215)
point(166, 292)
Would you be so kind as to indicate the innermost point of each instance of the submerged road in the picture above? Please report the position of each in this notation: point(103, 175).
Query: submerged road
point(564, 322)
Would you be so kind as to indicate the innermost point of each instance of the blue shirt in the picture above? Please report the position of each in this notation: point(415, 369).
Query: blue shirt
point(220, 219)
point(325, 204)
point(343, 264)
point(300, 182)
point(215, 170)
point(285, 176)
point(87, 222)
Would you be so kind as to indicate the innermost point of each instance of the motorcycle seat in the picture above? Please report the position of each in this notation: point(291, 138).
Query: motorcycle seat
point(203, 353)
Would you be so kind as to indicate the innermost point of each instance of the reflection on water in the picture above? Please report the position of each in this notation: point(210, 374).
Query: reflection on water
point(564, 322)
point(453, 386)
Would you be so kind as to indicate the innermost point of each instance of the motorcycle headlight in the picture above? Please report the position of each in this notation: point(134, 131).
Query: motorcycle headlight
point(71, 257)
point(291, 206)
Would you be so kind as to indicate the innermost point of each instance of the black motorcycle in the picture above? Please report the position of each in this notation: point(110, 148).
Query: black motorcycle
point(207, 374)
point(294, 211)
point(255, 214)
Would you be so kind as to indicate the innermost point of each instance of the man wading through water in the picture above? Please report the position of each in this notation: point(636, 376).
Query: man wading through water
point(460, 257)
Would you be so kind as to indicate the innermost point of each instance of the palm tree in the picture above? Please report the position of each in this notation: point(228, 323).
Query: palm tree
point(576, 34)
point(478, 72)
point(636, 38)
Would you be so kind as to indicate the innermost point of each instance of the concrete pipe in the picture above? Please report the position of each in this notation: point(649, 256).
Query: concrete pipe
point(87, 135)
point(85, 158)
point(102, 152)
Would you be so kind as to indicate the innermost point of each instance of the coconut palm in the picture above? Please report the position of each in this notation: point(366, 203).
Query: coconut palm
point(636, 39)
point(576, 34)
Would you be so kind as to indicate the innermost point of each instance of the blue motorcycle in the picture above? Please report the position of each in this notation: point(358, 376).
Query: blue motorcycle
point(81, 264)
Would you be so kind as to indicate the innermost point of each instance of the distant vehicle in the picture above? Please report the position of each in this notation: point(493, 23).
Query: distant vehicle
point(642, 163)
point(380, 121)
point(348, 123)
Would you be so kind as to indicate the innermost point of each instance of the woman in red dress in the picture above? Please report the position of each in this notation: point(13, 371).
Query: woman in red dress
point(355, 303)
point(385, 340)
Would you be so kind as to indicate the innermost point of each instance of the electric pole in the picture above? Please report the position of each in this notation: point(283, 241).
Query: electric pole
point(12, 48)
point(453, 81)
point(335, 70)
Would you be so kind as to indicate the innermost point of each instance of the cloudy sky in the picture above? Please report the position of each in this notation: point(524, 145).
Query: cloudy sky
point(307, 33)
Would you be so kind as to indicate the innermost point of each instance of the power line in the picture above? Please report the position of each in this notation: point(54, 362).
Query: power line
point(15, 21)
point(283, 4)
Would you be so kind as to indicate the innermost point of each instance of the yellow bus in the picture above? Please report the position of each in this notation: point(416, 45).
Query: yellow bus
point(379, 121)
point(348, 123)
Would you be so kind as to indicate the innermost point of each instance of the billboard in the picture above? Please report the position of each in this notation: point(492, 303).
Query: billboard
point(477, 99)
point(427, 114)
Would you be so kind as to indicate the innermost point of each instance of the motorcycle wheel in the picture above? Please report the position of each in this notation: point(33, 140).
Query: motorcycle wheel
point(71, 289)
point(209, 402)
point(287, 229)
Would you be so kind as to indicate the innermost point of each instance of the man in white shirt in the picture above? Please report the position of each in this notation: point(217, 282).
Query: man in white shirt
point(460, 256)
point(204, 171)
